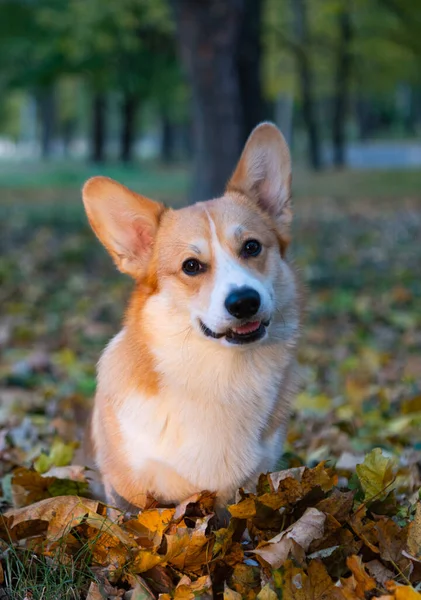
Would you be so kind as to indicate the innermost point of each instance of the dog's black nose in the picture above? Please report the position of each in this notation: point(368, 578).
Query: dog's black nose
point(243, 303)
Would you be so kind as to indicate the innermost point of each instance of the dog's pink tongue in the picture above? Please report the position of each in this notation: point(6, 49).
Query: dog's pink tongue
point(248, 327)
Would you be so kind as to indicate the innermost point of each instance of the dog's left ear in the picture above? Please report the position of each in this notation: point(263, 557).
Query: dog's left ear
point(263, 174)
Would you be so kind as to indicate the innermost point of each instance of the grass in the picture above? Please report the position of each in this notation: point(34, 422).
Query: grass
point(31, 576)
point(20, 182)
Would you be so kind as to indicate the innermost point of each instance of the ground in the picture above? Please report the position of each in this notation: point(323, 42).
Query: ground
point(357, 248)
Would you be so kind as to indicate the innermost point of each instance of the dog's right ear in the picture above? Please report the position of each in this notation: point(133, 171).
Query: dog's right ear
point(125, 222)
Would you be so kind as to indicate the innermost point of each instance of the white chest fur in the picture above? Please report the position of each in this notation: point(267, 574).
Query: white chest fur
point(206, 424)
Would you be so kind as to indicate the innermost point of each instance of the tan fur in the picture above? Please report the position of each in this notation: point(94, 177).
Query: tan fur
point(174, 409)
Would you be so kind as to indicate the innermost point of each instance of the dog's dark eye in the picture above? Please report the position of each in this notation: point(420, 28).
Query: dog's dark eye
point(251, 248)
point(192, 266)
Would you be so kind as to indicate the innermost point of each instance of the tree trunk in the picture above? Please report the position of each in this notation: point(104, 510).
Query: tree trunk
point(305, 76)
point(208, 33)
point(342, 85)
point(365, 118)
point(284, 112)
point(47, 117)
point(167, 140)
point(249, 66)
point(99, 111)
point(128, 127)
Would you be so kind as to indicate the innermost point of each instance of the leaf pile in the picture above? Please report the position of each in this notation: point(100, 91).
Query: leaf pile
point(299, 536)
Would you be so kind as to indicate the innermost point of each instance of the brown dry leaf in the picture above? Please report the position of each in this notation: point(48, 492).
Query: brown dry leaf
point(320, 476)
point(338, 504)
point(414, 533)
point(365, 530)
point(308, 528)
point(189, 548)
point(29, 487)
point(360, 582)
point(188, 590)
point(315, 584)
point(245, 580)
point(377, 570)
point(141, 590)
point(205, 500)
point(392, 541)
point(1, 574)
point(295, 473)
point(94, 592)
point(59, 514)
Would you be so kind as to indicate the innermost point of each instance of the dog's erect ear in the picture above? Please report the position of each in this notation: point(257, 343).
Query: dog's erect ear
point(125, 222)
point(263, 173)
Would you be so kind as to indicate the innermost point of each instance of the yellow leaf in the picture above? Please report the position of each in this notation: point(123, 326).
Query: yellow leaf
point(267, 593)
point(403, 592)
point(376, 475)
point(246, 509)
point(230, 594)
point(320, 404)
point(152, 524)
point(145, 560)
point(188, 590)
point(360, 582)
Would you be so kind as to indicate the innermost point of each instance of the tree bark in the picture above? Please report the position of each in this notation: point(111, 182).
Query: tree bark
point(342, 85)
point(208, 32)
point(99, 112)
point(168, 135)
point(305, 76)
point(128, 127)
point(249, 67)
point(47, 117)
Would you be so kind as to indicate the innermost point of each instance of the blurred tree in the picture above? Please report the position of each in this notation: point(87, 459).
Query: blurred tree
point(302, 50)
point(208, 33)
point(342, 81)
point(127, 46)
point(249, 64)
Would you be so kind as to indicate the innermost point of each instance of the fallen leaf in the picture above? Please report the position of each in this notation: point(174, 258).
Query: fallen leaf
point(188, 590)
point(267, 593)
point(377, 570)
point(306, 529)
point(414, 534)
point(246, 509)
point(403, 592)
point(230, 594)
point(94, 592)
point(376, 475)
point(313, 584)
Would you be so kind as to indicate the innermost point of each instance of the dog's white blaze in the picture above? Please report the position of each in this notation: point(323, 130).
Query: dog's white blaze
point(229, 274)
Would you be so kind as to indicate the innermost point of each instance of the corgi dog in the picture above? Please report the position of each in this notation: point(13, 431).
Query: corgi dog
point(194, 393)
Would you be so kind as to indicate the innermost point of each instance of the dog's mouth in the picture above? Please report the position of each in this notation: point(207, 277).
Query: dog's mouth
point(243, 334)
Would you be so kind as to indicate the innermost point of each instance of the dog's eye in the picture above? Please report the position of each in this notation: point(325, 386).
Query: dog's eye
point(192, 266)
point(251, 248)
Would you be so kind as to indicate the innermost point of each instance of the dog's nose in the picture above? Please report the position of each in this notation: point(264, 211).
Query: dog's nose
point(243, 303)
